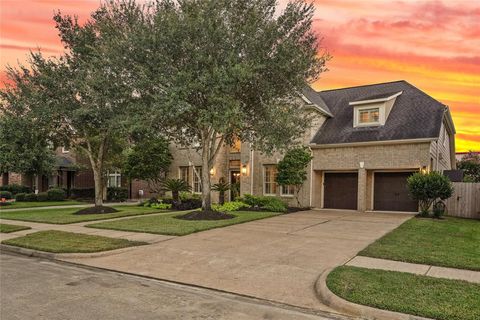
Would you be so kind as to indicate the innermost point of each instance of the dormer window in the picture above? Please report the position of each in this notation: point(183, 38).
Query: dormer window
point(373, 110)
point(369, 116)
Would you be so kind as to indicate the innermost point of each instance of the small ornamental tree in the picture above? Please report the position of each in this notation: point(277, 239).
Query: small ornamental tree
point(292, 169)
point(426, 188)
point(222, 186)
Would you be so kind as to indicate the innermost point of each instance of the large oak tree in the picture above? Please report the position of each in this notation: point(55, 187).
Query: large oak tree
point(220, 70)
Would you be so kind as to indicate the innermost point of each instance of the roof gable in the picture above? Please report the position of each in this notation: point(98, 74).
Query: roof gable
point(414, 115)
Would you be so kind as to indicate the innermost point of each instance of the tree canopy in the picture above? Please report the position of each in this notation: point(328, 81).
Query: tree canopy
point(470, 163)
point(220, 70)
point(292, 168)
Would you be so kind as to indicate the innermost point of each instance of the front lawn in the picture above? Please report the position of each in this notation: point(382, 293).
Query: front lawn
point(169, 225)
point(34, 204)
point(435, 298)
point(69, 242)
point(452, 242)
point(66, 215)
point(7, 228)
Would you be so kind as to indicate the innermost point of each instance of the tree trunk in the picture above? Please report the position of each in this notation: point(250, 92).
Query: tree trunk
point(98, 180)
point(221, 197)
point(206, 195)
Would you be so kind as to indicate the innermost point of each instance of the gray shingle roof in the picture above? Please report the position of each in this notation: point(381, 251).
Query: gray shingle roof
point(316, 99)
point(414, 115)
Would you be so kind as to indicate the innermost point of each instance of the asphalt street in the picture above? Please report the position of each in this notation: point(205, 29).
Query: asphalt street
point(32, 288)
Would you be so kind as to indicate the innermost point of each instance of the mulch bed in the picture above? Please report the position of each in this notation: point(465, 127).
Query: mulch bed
point(206, 215)
point(97, 210)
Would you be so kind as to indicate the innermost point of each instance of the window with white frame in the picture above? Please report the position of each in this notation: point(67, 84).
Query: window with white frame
point(184, 174)
point(367, 116)
point(269, 176)
point(114, 179)
point(287, 190)
point(197, 180)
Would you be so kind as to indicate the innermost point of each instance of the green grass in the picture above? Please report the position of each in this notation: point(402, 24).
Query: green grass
point(7, 228)
point(21, 204)
point(435, 298)
point(167, 224)
point(65, 216)
point(69, 242)
point(451, 242)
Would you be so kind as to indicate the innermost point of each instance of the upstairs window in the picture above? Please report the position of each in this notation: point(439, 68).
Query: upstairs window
point(369, 116)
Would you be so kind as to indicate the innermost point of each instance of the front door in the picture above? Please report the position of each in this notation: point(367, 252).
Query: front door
point(234, 184)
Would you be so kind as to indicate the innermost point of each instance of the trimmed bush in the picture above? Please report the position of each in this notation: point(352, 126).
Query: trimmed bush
point(161, 206)
point(42, 196)
point(56, 194)
point(117, 194)
point(15, 188)
point(83, 193)
point(30, 197)
point(20, 196)
point(426, 188)
point(230, 206)
point(6, 195)
point(266, 203)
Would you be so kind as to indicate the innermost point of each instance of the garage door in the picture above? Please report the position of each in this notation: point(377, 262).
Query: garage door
point(391, 193)
point(340, 191)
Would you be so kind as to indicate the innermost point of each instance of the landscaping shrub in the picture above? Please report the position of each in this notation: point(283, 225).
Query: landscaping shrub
point(42, 196)
point(20, 196)
point(83, 193)
point(426, 188)
point(230, 206)
point(117, 194)
point(30, 197)
point(266, 203)
point(162, 206)
point(56, 194)
point(6, 195)
point(15, 188)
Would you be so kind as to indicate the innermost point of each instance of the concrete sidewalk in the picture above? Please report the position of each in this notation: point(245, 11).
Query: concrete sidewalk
point(69, 206)
point(79, 227)
point(420, 269)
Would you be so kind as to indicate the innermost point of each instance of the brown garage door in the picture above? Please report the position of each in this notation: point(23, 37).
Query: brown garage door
point(341, 191)
point(391, 193)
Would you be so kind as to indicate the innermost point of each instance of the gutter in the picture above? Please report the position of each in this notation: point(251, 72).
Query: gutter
point(370, 143)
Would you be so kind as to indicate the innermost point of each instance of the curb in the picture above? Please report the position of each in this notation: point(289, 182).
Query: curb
point(364, 312)
point(60, 256)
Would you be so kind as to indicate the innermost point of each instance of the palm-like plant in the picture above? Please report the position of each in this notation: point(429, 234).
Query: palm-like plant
point(175, 186)
point(221, 187)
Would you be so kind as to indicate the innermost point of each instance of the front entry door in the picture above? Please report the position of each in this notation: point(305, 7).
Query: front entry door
point(234, 184)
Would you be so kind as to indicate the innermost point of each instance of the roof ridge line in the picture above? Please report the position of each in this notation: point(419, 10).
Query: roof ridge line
point(365, 85)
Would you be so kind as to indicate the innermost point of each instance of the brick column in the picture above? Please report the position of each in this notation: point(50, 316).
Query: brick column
point(362, 190)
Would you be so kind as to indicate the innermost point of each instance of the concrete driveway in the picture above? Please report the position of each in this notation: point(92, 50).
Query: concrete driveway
point(277, 259)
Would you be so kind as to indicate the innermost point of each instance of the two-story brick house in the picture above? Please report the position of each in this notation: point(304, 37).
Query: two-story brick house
point(365, 142)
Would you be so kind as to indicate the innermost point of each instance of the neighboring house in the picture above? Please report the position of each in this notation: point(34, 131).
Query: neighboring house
point(365, 142)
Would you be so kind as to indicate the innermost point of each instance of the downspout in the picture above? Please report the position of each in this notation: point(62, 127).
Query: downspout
point(311, 178)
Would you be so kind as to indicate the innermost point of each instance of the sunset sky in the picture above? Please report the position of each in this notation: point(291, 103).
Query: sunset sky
point(435, 45)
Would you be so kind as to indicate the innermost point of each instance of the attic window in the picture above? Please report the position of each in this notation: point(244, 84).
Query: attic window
point(367, 116)
point(373, 110)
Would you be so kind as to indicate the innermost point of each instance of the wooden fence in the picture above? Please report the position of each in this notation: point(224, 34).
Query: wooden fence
point(465, 201)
